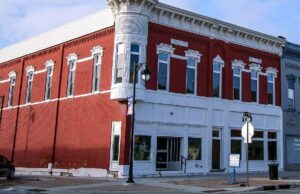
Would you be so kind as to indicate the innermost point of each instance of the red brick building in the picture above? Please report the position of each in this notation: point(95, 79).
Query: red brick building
point(66, 93)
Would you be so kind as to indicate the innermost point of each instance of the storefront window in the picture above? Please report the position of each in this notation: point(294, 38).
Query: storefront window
point(236, 142)
point(142, 148)
point(272, 146)
point(195, 149)
point(256, 150)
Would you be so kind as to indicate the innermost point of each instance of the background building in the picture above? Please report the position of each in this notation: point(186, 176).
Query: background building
point(291, 105)
point(66, 93)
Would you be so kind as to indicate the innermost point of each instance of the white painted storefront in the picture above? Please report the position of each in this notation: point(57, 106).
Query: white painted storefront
point(163, 114)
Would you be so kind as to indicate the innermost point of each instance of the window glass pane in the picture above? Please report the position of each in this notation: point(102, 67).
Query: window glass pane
point(119, 63)
point(142, 148)
point(162, 143)
point(116, 140)
point(161, 160)
point(163, 57)
point(194, 149)
point(216, 84)
point(291, 83)
point(253, 74)
point(135, 48)
point(272, 150)
point(270, 77)
point(190, 81)
point(217, 67)
point(256, 150)
point(236, 133)
point(291, 93)
point(258, 134)
point(133, 59)
point(191, 62)
point(236, 71)
point(270, 93)
point(272, 135)
point(162, 76)
point(236, 147)
point(216, 133)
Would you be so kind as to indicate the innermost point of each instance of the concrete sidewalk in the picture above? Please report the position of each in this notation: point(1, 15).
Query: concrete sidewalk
point(212, 183)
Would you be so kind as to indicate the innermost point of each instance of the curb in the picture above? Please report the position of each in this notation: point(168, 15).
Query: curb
point(276, 187)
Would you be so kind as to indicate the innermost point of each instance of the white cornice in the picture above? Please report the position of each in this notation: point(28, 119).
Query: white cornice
point(215, 29)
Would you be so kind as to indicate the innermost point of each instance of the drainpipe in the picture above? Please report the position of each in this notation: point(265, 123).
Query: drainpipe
point(51, 165)
point(18, 112)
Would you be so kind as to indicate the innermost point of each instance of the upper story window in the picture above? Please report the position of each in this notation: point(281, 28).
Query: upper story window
point(191, 75)
point(237, 82)
point(163, 71)
point(30, 74)
point(49, 75)
point(12, 81)
point(291, 91)
point(254, 86)
point(134, 58)
point(96, 72)
point(271, 88)
point(119, 62)
point(218, 64)
point(72, 58)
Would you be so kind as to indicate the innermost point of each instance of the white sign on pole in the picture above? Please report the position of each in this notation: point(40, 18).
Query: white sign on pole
point(250, 132)
point(234, 160)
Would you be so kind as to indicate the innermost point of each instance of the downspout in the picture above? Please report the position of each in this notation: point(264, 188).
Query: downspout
point(51, 165)
point(18, 112)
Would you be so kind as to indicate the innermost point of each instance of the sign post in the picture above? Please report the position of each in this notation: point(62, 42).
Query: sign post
point(247, 133)
point(234, 162)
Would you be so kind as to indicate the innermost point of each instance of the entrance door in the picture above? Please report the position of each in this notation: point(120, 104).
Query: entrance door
point(168, 153)
point(115, 146)
point(216, 149)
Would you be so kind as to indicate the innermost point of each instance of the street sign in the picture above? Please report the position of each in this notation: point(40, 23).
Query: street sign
point(250, 132)
point(234, 160)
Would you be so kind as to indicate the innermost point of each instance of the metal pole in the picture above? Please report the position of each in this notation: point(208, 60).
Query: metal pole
point(247, 160)
point(130, 173)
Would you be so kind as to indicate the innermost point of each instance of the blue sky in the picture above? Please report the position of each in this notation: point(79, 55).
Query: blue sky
point(22, 19)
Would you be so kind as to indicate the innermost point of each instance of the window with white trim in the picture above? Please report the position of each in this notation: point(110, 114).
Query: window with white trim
point(163, 71)
point(120, 63)
point(291, 92)
point(191, 75)
point(29, 86)
point(96, 72)
point(237, 83)
point(71, 77)
point(271, 88)
point(272, 146)
point(254, 85)
point(134, 58)
point(236, 142)
point(256, 148)
point(12, 81)
point(217, 79)
point(49, 74)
